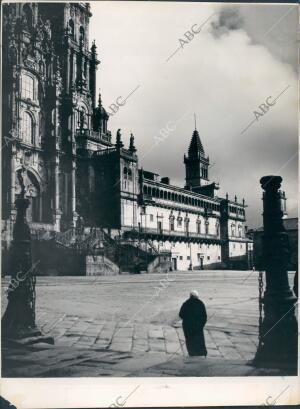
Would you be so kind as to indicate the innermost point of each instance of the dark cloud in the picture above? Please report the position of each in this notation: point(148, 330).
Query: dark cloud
point(275, 27)
point(228, 19)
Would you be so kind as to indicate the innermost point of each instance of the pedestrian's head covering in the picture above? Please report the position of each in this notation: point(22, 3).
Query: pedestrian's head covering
point(194, 294)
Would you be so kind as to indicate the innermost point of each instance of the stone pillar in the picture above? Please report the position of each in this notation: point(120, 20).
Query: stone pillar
point(12, 193)
point(68, 70)
point(88, 73)
point(74, 68)
point(278, 346)
point(71, 68)
point(57, 211)
point(12, 177)
point(73, 198)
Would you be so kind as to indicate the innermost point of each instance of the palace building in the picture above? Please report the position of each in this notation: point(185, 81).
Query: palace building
point(91, 203)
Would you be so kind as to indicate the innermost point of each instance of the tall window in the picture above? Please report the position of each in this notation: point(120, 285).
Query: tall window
point(28, 15)
point(186, 225)
point(27, 87)
point(27, 128)
point(81, 33)
point(71, 25)
point(172, 223)
point(198, 227)
point(206, 227)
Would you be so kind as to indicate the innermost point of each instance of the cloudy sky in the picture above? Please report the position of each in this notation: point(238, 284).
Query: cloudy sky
point(242, 55)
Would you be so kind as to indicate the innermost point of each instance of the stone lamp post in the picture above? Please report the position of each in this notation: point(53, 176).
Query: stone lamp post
point(18, 321)
point(279, 338)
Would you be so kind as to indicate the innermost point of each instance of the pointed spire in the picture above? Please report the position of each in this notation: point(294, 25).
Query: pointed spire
point(226, 196)
point(119, 143)
point(132, 148)
point(196, 147)
point(235, 198)
point(99, 100)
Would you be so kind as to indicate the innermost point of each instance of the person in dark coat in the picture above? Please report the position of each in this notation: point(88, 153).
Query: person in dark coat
point(193, 315)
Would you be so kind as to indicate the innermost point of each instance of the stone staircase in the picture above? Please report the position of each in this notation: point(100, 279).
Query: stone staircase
point(93, 251)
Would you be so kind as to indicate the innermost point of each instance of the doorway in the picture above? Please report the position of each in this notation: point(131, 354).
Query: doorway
point(159, 227)
point(174, 263)
point(201, 263)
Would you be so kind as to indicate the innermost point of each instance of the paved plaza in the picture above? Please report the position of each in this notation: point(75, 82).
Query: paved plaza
point(128, 325)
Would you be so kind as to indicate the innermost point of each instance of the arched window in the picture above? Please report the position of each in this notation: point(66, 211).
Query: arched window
point(125, 171)
point(165, 195)
point(81, 33)
point(27, 87)
point(198, 226)
point(172, 224)
point(232, 230)
point(179, 221)
point(129, 174)
point(207, 227)
point(36, 209)
point(28, 15)
point(27, 128)
point(71, 25)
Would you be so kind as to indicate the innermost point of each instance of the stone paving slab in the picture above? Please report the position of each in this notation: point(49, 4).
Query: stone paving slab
point(73, 333)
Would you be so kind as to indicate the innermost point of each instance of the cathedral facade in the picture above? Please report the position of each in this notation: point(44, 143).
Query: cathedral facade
point(56, 144)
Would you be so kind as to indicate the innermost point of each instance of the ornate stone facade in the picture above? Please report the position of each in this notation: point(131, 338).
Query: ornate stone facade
point(49, 106)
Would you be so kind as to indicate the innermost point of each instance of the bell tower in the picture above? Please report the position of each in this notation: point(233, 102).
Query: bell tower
point(196, 163)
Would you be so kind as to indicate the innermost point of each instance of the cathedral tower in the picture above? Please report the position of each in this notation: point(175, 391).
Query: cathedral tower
point(196, 164)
